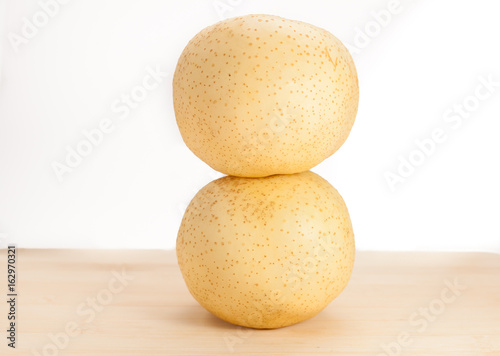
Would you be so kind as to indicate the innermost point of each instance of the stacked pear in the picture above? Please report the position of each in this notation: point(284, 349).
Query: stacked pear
point(263, 99)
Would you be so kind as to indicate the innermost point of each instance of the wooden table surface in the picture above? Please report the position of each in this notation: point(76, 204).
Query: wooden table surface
point(88, 302)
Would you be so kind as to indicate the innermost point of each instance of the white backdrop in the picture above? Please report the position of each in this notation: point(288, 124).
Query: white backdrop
point(429, 76)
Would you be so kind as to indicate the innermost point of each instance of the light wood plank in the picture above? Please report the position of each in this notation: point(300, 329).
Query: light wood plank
point(154, 314)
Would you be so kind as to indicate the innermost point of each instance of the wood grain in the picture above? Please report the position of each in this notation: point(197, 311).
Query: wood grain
point(154, 314)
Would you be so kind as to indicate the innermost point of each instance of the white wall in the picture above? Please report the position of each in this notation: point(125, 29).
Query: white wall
point(132, 188)
point(2, 28)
